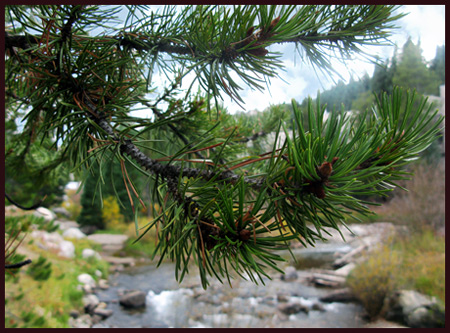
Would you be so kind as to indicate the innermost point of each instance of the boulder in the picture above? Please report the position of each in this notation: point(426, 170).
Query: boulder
point(133, 299)
point(291, 308)
point(47, 214)
point(427, 316)
point(73, 233)
point(66, 249)
point(414, 309)
point(90, 302)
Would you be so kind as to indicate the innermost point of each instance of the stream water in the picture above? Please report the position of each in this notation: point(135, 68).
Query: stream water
point(244, 304)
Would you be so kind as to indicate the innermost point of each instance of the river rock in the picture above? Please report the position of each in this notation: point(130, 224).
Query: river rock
point(103, 313)
point(343, 295)
point(90, 302)
point(290, 274)
point(73, 233)
point(414, 309)
point(291, 308)
point(74, 314)
point(103, 284)
point(84, 321)
point(133, 299)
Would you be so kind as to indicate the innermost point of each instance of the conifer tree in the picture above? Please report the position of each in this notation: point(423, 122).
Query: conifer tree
point(79, 72)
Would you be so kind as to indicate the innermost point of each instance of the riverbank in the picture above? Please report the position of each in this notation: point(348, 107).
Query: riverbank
point(311, 293)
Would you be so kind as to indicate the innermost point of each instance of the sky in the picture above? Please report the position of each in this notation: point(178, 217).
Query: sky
point(424, 23)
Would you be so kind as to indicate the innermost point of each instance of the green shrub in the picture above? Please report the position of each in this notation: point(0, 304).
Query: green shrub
point(40, 270)
point(373, 279)
point(111, 214)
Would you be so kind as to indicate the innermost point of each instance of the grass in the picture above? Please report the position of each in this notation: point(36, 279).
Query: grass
point(420, 253)
point(46, 303)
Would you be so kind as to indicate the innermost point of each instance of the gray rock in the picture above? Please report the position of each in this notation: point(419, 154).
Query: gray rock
point(414, 309)
point(290, 274)
point(134, 299)
point(103, 313)
point(74, 314)
point(427, 316)
point(84, 321)
point(318, 307)
point(90, 302)
point(291, 308)
point(341, 295)
point(96, 319)
point(103, 284)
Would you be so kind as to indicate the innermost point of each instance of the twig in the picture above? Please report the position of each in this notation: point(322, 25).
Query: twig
point(37, 205)
point(18, 265)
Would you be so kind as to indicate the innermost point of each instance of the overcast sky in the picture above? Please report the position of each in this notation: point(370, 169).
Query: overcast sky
point(424, 23)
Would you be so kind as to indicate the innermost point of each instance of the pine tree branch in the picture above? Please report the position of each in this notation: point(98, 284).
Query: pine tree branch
point(164, 170)
point(36, 205)
point(18, 265)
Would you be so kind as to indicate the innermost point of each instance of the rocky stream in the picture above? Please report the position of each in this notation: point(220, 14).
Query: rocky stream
point(310, 294)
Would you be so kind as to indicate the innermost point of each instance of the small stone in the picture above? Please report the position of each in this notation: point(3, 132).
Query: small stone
point(74, 314)
point(90, 302)
point(96, 318)
point(282, 298)
point(101, 305)
point(290, 274)
point(84, 321)
point(292, 308)
point(318, 307)
point(103, 313)
point(103, 284)
point(134, 299)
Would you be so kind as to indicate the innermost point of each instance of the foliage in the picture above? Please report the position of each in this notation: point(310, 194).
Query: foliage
point(374, 279)
point(91, 213)
point(225, 211)
point(41, 269)
point(412, 71)
point(72, 203)
point(34, 298)
point(423, 206)
point(111, 213)
point(415, 261)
